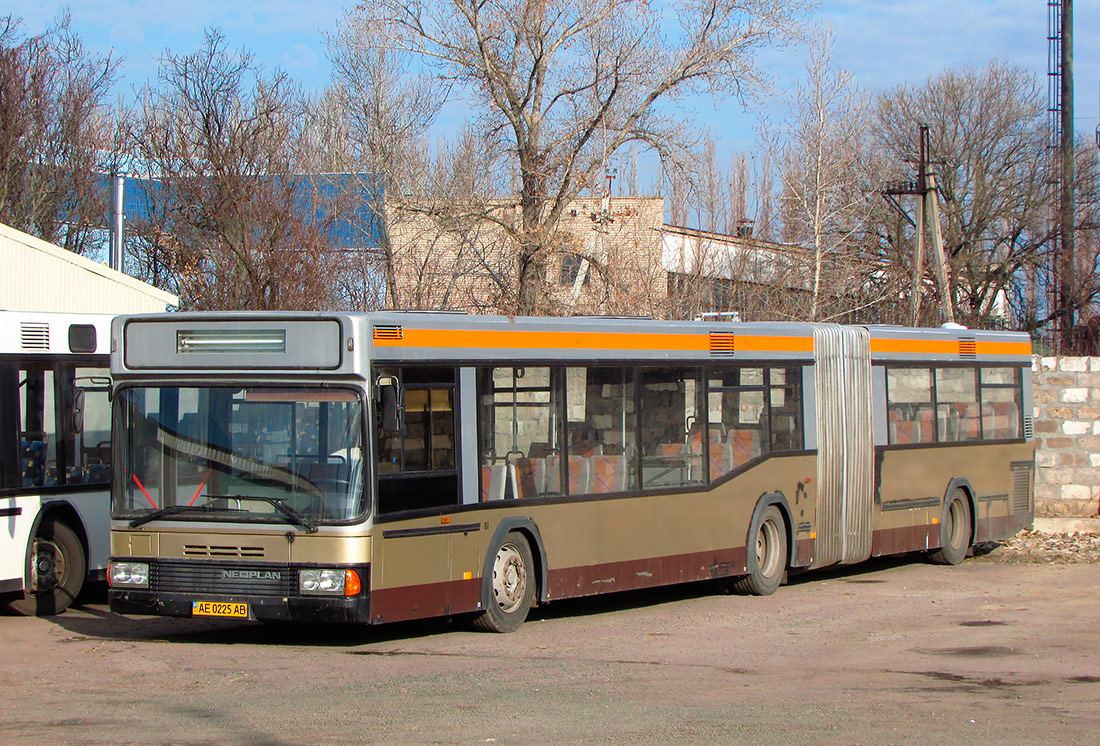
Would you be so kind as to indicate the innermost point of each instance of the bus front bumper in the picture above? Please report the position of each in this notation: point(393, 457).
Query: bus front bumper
point(350, 610)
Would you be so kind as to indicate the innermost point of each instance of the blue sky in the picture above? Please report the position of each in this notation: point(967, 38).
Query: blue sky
point(883, 42)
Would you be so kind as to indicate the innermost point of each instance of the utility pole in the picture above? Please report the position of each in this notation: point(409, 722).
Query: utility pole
point(924, 186)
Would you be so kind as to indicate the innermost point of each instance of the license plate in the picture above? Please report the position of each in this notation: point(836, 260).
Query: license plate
point(217, 608)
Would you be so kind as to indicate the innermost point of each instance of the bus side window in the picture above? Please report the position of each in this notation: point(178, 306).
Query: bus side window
point(92, 464)
point(417, 467)
point(909, 405)
point(37, 427)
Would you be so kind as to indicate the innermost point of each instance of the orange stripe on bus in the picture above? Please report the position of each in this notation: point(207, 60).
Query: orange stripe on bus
point(946, 347)
point(500, 339)
point(507, 339)
point(1004, 348)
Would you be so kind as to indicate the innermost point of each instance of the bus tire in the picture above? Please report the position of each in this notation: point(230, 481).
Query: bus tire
point(58, 572)
point(509, 588)
point(954, 531)
point(767, 555)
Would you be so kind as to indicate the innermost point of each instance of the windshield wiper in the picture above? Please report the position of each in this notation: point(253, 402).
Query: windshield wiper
point(292, 515)
point(172, 510)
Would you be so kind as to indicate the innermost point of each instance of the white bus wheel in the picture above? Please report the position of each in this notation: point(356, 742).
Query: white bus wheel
point(57, 571)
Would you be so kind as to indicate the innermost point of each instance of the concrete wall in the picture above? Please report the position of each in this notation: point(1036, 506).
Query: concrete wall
point(1067, 428)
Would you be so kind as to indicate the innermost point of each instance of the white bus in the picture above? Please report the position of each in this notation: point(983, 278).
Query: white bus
point(55, 456)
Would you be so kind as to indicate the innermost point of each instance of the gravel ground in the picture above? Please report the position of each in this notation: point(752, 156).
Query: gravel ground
point(1037, 547)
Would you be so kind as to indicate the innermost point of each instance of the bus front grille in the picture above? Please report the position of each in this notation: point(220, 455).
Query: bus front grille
point(199, 578)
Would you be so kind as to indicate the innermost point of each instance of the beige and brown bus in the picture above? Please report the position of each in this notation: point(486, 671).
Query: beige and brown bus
point(383, 467)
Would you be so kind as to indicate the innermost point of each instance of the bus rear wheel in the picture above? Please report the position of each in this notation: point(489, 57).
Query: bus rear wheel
point(954, 532)
point(57, 571)
point(767, 555)
point(509, 591)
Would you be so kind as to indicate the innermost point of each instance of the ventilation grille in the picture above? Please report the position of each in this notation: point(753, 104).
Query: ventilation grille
point(34, 335)
point(968, 348)
point(388, 332)
point(1021, 488)
point(201, 550)
point(1029, 427)
point(722, 343)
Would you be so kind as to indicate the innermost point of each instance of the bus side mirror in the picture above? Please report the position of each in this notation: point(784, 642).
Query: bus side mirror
point(390, 405)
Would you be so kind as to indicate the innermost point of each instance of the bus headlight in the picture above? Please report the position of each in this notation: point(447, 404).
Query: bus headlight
point(329, 582)
point(132, 574)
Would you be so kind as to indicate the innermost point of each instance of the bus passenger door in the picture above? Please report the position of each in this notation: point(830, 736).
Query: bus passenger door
point(418, 482)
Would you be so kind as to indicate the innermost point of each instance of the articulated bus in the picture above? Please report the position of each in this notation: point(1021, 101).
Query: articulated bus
point(55, 457)
point(383, 467)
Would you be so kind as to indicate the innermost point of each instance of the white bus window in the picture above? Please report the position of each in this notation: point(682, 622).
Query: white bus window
point(92, 420)
point(37, 427)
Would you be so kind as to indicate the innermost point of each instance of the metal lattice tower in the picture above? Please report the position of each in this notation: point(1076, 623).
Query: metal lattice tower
point(1061, 279)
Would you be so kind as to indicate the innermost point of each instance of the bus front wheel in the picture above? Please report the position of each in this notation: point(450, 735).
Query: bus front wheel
point(510, 586)
point(57, 571)
point(767, 555)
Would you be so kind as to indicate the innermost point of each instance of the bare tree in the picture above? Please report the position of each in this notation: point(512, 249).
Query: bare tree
point(229, 221)
point(54, 131)
point(986, 128)
point(822, 159)
point(560, 86)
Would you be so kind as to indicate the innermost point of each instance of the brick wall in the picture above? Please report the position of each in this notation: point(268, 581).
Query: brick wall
point(1067, 428)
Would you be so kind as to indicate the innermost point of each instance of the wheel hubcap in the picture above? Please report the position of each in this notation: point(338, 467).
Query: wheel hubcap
point(767, 539)
point(48, 567)
point(957, 524)
point(509, 579)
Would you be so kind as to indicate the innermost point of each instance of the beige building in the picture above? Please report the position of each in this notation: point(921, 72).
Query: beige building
point(612, 256)
point(38, 276)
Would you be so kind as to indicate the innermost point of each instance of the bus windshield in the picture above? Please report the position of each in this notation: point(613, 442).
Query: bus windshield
point(232, 453)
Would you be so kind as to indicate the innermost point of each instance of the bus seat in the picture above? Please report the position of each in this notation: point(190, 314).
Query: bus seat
point(32, 461)
point(924, 421)
point(539, 450)
point(672, 449)
point(98, 473)
point(552, 481)
point(580, 475)
point(493, 482)
point(608, 473)
point(744, 446)
point(522, 477)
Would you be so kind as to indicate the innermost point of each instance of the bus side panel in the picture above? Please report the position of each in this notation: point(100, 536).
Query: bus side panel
point(615, 545)
point(591, 546)
point(913, 483)
point(423, 568)
point(17, 514)
point(94, 510)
